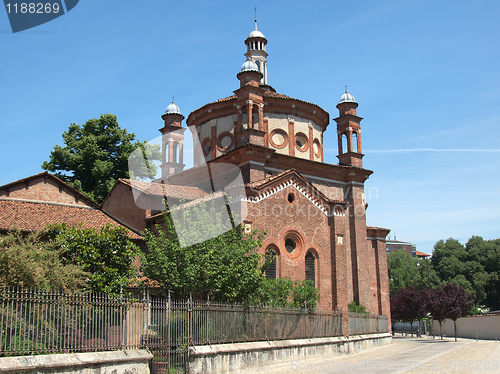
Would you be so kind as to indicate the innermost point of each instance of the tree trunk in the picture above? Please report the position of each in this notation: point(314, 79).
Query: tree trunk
point(455, 325)
point(440, 331)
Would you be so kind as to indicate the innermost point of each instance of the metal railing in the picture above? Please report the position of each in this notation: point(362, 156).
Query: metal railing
point(360, 323)
point(41, 322)
point(38, 322)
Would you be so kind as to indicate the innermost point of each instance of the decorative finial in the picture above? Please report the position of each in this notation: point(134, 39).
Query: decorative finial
point(346, 88)
point(255, 9)
point(173, 98)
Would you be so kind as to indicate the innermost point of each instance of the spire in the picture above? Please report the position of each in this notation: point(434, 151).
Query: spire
point(255, 18)
point(256, 50)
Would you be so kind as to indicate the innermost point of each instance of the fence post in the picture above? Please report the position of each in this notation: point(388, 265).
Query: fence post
point(207, 320)
point(169, 337)
point(265, 327)
point(145, 317)
point(190, 319)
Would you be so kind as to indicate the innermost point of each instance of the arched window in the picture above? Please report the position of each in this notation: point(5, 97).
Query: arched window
point(272, 269)
point(355, 142)
point(345, 149)
point(311, 268)
point(175, 148)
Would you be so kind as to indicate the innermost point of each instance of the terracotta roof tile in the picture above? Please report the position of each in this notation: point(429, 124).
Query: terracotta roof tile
point(33, 216)
point(419, 254)
point(208, 197)
point(169, 190)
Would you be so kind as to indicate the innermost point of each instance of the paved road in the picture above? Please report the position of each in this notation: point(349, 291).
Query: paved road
point(408, 355)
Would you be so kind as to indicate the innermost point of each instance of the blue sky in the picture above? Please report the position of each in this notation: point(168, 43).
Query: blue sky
point(425, 73)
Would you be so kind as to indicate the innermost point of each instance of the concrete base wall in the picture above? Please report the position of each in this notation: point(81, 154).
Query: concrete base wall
point(482, 327)
point(116, 362)
point(256, 356)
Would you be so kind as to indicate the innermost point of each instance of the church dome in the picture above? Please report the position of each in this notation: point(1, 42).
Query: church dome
point(256, 34)
point(249, 65)
point(172, 109)
point(347, 98)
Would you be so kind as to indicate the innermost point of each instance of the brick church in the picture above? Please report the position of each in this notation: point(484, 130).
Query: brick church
point(314, 212)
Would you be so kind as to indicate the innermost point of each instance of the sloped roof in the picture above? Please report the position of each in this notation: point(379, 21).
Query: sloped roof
point(207, 198)
point(422, 254)
point(34, 216)
point(267, 93)
point(57, 181)
point(169, 190)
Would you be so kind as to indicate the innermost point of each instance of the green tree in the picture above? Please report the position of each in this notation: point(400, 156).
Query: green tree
point(96, 154)
point(226, 267)
point(403, 271)
point(31, 261)
point(106, 254)
point(275, 292)
point(305, 295)
point(474, 266)
point(487, 253)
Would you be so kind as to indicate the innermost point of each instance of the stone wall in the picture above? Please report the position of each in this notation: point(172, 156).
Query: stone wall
point(480, 327)
point(116, 362)
point(256, 356)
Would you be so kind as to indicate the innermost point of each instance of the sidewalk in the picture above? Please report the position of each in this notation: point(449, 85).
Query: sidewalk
point(407, 355)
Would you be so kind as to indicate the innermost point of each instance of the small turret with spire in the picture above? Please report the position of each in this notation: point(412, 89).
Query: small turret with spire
point(172, 141)
point(349, 130)
point(256, 51)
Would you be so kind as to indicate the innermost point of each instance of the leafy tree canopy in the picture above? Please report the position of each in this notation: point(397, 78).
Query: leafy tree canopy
point(410, 304)
point(474, 266)
point(405, 270)
point(224, 268)
point(283, 292)
point(449, 301)
point(30, 261)
point(106, 254)
point(96, 154)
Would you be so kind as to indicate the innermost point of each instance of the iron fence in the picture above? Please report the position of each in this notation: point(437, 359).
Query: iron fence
point(360, 323)
point(178, 324)
point(40, 322)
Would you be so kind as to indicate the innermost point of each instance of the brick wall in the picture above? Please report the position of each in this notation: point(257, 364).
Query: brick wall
point(43, 189)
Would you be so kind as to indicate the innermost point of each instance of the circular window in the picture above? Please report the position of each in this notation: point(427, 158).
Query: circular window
point(317, 148)
point(293, 244)
point(291, 197)
point(226, 142)
point(290, 245)
point(278, 138)
point(301, 142)
point(206, 146)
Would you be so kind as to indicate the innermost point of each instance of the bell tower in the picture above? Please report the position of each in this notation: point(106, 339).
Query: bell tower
point(172, 141)
point(349, 132)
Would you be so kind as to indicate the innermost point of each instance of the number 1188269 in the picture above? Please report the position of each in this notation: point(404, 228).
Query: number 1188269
point(38, 8)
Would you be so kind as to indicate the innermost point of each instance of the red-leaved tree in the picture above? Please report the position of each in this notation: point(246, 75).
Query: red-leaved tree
point(449, 301)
